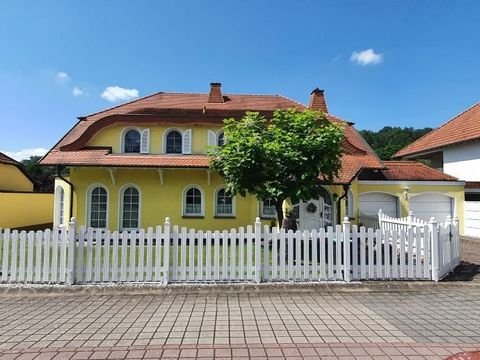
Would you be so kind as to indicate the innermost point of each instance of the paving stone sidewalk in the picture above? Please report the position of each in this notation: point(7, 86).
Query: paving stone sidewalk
point(343, 323)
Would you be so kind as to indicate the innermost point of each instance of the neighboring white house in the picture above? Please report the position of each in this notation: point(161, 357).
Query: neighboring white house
point(454, 148)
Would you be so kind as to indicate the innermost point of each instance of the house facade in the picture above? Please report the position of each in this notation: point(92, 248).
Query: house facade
point(21, 206)
point(454, 148)
point(133, 165)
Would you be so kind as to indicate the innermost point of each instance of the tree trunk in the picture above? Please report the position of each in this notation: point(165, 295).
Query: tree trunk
point(279, 209)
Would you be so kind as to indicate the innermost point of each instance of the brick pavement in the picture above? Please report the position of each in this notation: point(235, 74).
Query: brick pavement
point(426, 321)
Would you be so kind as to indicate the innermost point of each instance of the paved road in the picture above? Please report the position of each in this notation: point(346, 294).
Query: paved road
point(308, 322)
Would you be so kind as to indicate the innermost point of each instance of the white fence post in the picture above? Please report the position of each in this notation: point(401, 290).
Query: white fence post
point(346, 249)
point(72, 248)
point(258, 247)
point(433, 230)
point(166, 250)
point(456, 241)
point(410, 219)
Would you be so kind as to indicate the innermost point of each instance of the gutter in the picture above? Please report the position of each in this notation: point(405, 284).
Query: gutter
point(59, 171)
point(346, 187)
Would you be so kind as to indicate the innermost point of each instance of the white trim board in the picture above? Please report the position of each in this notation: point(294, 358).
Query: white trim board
point(403, 183)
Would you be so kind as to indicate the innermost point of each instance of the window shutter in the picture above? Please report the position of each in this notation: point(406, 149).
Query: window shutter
point(145, 141)
point(187, 142)
point(212, 138)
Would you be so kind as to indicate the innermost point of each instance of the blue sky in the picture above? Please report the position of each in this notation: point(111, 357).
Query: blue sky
point(397, 63)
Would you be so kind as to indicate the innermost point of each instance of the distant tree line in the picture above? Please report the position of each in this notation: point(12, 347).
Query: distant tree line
point(43, 176)
point(389, 140)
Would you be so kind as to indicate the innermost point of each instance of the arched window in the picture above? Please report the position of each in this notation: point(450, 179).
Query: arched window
point(174, 142)
point(130, 208)
point(221, 139)
point(131, 142)
point(193, 202)
point(223, 203)
point(98, 207)
point(59, 206)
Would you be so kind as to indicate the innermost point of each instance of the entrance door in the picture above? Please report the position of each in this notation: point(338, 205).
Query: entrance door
point(315, 213)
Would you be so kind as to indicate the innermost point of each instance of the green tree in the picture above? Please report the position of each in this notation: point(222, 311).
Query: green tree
point(387, 141)
point(43, 176)
point(279, 158)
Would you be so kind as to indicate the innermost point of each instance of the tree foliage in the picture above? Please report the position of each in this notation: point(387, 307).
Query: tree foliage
point(43, 176)
point(389, 140)
point(279, 158)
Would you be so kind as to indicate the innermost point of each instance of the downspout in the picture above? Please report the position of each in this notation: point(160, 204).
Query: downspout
point(346, 187)
point(59, 172)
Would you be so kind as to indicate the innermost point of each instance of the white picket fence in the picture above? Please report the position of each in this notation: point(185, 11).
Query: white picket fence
point(168, 254)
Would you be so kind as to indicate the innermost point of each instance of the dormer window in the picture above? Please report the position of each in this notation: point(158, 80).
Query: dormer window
point(174, 142)
point(132, 142)
point(135, 141)
point(177, 141)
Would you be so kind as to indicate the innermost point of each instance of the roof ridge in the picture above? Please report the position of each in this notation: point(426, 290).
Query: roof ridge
point(437, 129)
point(8, 157)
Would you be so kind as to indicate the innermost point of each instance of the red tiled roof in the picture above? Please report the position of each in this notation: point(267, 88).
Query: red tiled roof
point(463, 127)
point(183, 108)
point(413, 171)
point(4, 159)
point(103, 157)
point(472, 185)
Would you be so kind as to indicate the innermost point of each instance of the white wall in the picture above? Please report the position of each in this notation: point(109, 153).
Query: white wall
point(463, 161)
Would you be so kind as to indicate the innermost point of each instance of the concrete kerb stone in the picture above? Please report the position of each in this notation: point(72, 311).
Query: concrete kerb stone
point(226, 288)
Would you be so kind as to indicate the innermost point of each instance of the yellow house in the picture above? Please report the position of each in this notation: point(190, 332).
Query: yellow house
point(20, 205)
point(135, 164)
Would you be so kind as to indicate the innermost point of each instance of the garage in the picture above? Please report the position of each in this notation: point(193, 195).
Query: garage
point(472, 218)
point(370, 203)
point(424, 206)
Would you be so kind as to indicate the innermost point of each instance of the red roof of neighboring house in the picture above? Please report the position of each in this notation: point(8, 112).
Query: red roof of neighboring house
point(413, 171)
point(463, 127)
point(4, 159)
point(188, 109)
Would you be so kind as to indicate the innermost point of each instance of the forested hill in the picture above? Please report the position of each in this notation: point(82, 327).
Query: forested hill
point(389, 140)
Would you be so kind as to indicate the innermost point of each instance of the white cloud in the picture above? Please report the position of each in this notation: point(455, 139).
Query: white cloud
point(116, 93)
point(366, 57)
point(62, 77)
point(77, 91)
point(25, 153)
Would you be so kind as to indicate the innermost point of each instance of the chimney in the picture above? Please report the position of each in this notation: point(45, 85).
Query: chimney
point(317, 101)
point(215, 95)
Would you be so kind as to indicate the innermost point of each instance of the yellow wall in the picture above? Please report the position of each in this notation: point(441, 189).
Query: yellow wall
point(160, 201)
point(12, 179)
point(112, 136)
point(25, 209)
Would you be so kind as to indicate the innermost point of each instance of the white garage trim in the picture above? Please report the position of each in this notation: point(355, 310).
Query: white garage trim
point(472, 218)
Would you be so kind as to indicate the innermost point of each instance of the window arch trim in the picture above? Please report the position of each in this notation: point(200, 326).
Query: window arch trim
point(234, 203)
point(124, 134)
point(165, 134)
point(184, 201)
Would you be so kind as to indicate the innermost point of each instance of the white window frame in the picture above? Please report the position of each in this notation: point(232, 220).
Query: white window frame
point(184, 201)
point(233, 213)
point(121, 192)
point(59, 206)
point(213, 135)
point(122, 139)
point(266, 216)
point(89, 205)
point(182, 134)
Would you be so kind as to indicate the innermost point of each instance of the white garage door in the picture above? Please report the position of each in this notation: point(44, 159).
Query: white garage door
point(472, 218)
point(425, 206)
point(370, 203)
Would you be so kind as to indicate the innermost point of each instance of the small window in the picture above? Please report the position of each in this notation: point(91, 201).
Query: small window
point(193, 202)
point(221, 139)
point(267, 208)
point(174, 142)
point(132, 142)
point(98, 208)
point(59, 206)
point(223, 203)
point(130, 208)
